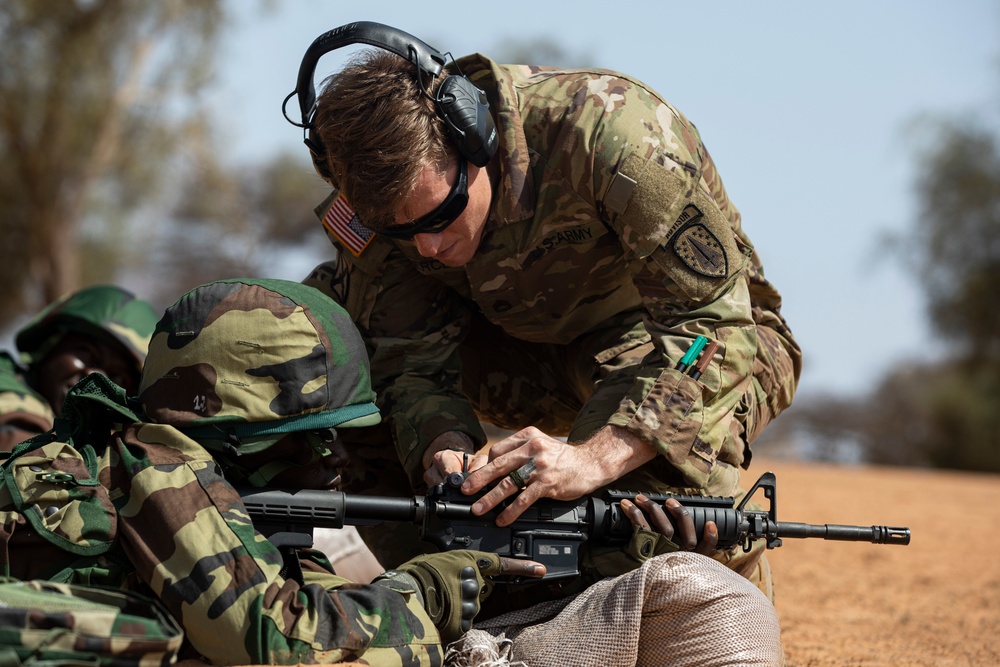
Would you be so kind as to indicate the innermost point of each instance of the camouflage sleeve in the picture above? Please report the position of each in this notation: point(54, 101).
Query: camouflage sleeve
point(656, 186)
point(187, 533)
point(413, 326)
point(21, 406)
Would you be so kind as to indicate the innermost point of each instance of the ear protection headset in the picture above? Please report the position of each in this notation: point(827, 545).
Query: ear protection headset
point(462, 105)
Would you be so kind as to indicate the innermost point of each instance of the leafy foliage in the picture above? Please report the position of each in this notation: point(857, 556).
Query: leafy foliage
point(86, 123)
point(943, 414)
point(109, 168)
point(236, 222)
point(956, 245)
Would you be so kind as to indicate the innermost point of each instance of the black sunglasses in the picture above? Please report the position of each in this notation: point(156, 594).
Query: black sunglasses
point(442, 216)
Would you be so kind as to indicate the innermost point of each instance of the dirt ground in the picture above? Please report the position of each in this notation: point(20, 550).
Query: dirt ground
point(933, 602)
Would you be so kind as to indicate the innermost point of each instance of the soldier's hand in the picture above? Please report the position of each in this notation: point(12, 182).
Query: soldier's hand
point(529, 465)
point(673, 522)
point(448, 453)
point(454, 583)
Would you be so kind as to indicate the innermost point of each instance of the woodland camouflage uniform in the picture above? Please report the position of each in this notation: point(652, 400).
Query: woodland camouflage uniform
point(231, 364)
point(20, 405)
point(611, 245)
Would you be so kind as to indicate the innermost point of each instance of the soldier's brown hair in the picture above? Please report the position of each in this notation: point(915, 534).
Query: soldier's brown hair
point(379, 129)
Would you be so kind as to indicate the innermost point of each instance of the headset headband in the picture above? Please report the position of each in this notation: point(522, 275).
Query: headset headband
point(463, 106)
point(427, 59)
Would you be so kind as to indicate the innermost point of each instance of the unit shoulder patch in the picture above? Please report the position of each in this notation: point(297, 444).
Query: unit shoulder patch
point(701, 251)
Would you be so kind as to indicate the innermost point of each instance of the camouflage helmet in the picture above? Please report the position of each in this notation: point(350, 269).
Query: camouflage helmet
point(105, 312)
point(256, 359)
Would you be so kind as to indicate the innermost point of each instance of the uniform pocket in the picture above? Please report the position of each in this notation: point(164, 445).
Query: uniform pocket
point(670, 417)
point(54, 489)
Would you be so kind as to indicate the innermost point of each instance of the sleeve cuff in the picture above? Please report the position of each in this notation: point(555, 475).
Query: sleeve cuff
point(667, 412)
point(413, 435)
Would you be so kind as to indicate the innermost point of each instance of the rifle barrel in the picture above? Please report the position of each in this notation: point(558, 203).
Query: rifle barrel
point(873, 534)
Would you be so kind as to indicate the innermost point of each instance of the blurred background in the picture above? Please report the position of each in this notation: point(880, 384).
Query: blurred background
point(142, 143)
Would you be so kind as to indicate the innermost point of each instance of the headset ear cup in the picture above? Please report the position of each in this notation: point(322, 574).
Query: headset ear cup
point(317, 151)
point(467, 114)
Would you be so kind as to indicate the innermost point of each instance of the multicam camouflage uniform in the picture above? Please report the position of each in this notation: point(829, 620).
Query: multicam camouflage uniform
point(236, 364)
point(611, 245)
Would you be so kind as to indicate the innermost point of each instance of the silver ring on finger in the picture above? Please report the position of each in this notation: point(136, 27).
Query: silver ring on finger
point(522, 475)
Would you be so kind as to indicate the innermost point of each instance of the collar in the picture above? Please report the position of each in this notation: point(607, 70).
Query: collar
point(514, 198)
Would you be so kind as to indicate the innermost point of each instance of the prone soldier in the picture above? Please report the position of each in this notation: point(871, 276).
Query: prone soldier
point(100, 329)
point(247, 381)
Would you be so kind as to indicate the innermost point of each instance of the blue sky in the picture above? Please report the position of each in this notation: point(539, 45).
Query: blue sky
point(807, 109)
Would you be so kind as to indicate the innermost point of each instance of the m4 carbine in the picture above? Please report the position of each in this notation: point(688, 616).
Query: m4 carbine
point(549, 531)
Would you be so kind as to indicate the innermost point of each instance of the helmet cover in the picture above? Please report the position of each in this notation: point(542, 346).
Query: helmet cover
point(257, 359)
point(106, 312)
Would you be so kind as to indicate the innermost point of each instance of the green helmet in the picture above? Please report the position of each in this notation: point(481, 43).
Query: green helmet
point(256, 359)
point(104, 311)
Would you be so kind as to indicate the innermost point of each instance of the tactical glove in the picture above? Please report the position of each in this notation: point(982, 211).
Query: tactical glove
point(646, 543)
point(452, 585)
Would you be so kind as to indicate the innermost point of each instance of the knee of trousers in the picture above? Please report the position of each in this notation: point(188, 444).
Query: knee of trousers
point(752, 565)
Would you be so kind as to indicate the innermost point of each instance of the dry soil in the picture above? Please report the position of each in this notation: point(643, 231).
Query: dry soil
point(933, 602)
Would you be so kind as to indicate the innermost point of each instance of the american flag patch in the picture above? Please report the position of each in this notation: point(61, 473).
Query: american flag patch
point(341, 221)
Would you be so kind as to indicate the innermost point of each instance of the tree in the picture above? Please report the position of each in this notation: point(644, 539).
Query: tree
point(539, 50)
point(235, 222)
point(88, 120)
point(953, 406)
point(955, 247)
point(945, 413)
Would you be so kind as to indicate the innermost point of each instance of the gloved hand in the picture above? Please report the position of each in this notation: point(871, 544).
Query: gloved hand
point(452, 585)
point(646, 544)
